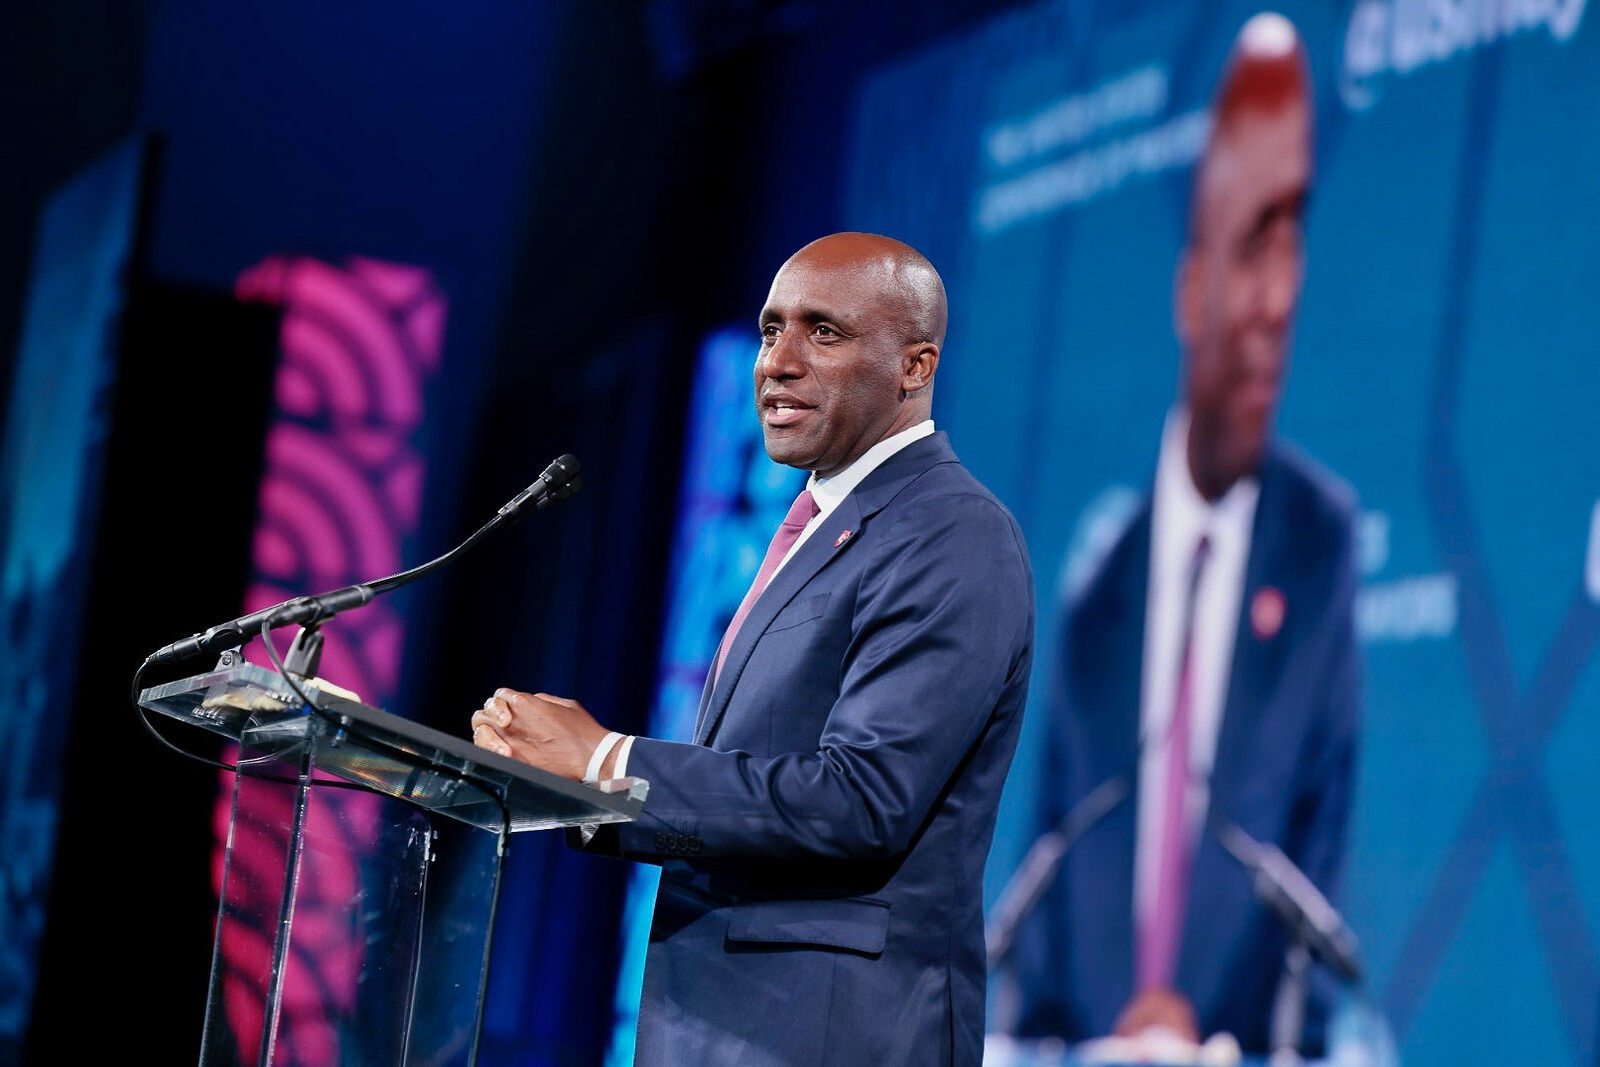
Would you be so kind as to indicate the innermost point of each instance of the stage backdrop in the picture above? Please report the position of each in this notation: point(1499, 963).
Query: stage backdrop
point(1444, 363)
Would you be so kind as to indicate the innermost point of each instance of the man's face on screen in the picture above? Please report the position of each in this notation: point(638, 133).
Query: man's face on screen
point(1239, 287)
point(829, 376)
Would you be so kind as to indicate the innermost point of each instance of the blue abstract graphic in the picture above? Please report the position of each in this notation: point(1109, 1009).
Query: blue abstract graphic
point(50, 468)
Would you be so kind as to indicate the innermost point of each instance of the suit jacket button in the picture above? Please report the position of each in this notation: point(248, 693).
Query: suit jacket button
point(695, 844)
point(660, 841)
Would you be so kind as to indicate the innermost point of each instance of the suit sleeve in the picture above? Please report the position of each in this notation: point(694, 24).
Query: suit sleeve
point(1037, 1006)
point(1322, 813)
point(943, 624)
point(1318, 831)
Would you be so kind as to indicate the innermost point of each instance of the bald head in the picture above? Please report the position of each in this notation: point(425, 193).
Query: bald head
point(902, 277)
point(1266, 71)
point(1265, 82)
point(850, 338)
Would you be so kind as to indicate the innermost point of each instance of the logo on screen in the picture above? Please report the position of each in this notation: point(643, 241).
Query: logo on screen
point(1396, 38)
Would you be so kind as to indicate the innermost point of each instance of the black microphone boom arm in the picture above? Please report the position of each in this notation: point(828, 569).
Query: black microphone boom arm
point(559, 481)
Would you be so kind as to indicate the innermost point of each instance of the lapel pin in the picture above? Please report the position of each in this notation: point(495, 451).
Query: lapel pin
point(842, 539)
point(1267, 609)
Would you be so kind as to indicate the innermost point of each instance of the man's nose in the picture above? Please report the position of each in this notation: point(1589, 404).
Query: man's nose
point(1278, 288)
point(783, 358)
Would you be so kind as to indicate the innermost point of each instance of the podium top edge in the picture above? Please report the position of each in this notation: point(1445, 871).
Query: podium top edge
point(528, 790)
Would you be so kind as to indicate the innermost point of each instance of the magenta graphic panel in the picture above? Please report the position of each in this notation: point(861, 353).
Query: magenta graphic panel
point(339, 500)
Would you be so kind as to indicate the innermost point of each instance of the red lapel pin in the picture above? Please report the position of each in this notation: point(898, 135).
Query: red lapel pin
point(842, 539)
point(1267, 609)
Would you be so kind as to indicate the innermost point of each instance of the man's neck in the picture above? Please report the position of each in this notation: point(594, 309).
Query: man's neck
point(836, 485)
point(1210, 476)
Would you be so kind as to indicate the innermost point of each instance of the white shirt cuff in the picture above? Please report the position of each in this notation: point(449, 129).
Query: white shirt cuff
point(621, 769)
point(623, 745)
point(597, 759)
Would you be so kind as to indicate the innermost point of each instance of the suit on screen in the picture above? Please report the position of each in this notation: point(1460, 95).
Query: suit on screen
point(823, 841)
point(1283, 770)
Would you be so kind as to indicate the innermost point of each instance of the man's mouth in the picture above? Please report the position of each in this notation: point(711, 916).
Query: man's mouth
point(1258, 389)
point(781, 411)
point(1257, 392)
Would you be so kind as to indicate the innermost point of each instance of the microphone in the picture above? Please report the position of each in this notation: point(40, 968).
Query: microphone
point(304, 610)
point(1285, 889)
point(1032, 880)
point(558, 481)
point(1037, 871)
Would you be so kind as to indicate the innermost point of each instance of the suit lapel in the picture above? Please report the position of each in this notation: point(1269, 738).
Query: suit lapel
point(1217, 911)
point(819, 549)
point(1258, 661)
point(824, 545)
point(1125, 642)
point(706, 689)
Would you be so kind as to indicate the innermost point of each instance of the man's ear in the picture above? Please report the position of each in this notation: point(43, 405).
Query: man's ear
point(917, 365)
point(1187, 297)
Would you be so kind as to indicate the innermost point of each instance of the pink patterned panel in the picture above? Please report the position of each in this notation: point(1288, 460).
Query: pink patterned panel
point(339, 500)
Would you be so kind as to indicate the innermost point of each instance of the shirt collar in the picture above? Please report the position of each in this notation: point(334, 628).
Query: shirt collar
point(830, 491)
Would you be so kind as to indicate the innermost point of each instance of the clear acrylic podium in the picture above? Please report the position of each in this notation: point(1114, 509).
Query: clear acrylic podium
point(354, 923)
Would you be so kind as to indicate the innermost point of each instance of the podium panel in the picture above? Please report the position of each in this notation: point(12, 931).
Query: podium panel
point(411, 762)
point(357, 893)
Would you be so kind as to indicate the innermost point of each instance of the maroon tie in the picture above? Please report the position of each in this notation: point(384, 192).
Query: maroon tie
point(1163, 928)
point(802, 511)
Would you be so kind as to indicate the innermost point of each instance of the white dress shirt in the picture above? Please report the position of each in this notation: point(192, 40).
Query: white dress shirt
point(828, 493)
point(1180, 517)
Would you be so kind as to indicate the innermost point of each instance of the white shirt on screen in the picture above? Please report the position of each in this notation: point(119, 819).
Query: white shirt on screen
point(1180, 516)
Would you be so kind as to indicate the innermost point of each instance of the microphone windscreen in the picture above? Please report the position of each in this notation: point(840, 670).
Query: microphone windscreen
point(562, 470)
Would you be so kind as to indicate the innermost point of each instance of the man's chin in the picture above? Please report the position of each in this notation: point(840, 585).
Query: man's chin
point(1246, 459)
point(788, 453)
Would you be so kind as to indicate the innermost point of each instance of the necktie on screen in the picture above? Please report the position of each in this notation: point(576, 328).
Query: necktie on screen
point(802, 511)
point(1160, 934)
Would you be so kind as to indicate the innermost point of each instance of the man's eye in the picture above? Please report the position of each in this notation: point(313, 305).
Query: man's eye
point(827, 331)
point(769, 332)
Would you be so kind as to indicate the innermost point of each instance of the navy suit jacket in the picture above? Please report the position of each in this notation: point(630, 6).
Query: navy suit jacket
point(823, 841)
point(1284, 770)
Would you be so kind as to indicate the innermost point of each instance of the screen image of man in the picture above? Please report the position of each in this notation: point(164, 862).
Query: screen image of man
point(822, 840)
point(1208, 661)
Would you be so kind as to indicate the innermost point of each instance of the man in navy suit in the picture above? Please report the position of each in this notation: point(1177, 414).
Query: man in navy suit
point(823, 839)
point(1207, 666)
